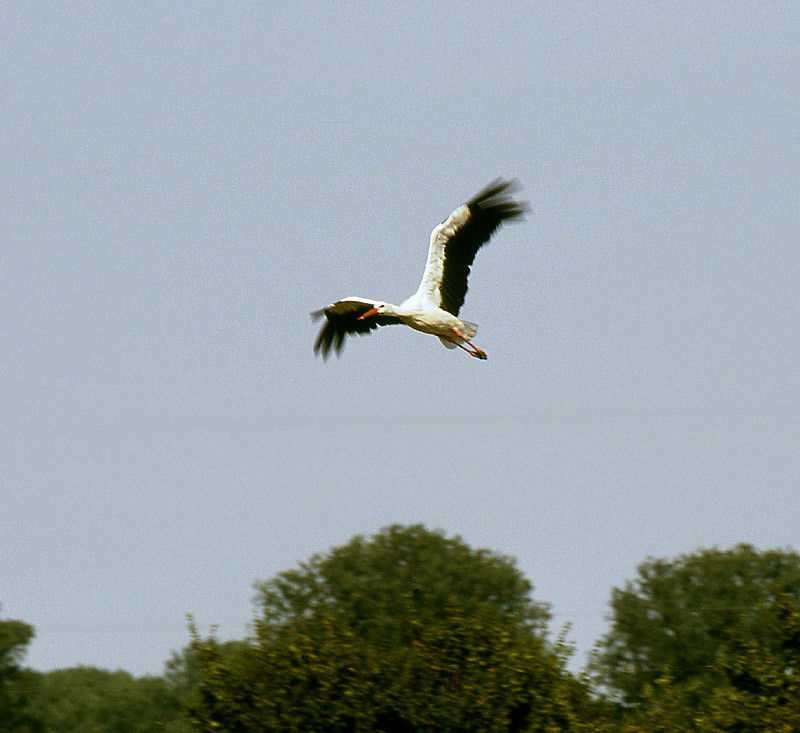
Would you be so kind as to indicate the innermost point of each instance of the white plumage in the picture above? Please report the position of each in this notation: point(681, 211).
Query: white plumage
point(434, 307)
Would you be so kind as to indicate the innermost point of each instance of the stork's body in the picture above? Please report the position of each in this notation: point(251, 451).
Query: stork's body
point(434, 307)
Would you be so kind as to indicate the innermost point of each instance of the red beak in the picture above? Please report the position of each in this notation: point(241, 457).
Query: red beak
point(371, 312)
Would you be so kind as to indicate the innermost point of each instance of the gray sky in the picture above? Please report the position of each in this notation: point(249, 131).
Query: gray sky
point(182, 183)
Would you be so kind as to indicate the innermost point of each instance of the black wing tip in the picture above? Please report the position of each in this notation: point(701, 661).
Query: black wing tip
point(326, 340)
point(341, 323)
point(329, 339)
point(495, 187)
point(495, 198)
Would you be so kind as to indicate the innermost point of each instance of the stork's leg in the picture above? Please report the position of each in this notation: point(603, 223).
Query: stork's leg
point(469, 351)
point(476, 352)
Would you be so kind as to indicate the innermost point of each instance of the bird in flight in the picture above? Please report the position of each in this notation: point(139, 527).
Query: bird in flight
point(434, 307)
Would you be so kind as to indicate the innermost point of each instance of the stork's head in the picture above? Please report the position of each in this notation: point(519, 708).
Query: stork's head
point(378, 309)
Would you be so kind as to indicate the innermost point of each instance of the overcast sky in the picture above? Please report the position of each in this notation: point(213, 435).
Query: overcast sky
point(181, 183)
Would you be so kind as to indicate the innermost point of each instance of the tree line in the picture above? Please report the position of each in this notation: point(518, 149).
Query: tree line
point(411, 630)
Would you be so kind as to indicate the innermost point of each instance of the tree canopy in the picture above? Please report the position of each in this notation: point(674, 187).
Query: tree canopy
point(675, 619)
point(91, 700)
point(82, 699)
point(14, 639)
point(757, 690)
point(407, 631)
point(410, 630)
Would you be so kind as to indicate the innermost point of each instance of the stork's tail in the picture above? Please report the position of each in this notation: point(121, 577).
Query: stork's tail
point(469, 330)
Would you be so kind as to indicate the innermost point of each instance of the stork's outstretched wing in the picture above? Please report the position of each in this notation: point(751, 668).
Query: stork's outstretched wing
point(344, 317)
point(457, 239)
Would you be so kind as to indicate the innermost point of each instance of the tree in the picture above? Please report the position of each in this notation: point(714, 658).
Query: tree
point(407, 631)
point(675, 619)
point(758, 689)
point(92, 700)
point(763, 683)
point(14, 639)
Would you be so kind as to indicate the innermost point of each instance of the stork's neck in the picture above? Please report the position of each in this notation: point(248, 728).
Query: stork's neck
point(390, 309)
point(410, 305)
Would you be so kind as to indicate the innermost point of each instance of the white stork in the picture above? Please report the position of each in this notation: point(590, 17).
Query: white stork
point(434, 307)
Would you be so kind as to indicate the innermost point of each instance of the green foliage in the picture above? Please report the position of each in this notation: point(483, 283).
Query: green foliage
point(413, 568)
point(414, 631)
point(93, 700)
point(80, 699)
point(674, 620)
point(758, 689)
point(762, 690)
point(409, 631)
point(182, 676)
point(14, 639)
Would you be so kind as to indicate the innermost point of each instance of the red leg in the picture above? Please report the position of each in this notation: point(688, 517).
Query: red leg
point(461, 346)
point(476, 352)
